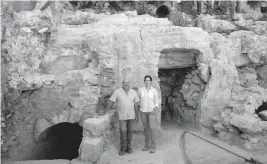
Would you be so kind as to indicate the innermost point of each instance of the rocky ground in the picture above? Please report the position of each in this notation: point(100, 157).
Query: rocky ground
point(169, 152)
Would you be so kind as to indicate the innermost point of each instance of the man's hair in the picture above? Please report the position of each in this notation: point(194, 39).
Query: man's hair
point(124, 79)
point(148, 77)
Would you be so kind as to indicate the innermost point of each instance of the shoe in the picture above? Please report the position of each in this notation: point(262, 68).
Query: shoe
point(145, 148)
point(121, 153)
point(153, 150)
point(129, 150)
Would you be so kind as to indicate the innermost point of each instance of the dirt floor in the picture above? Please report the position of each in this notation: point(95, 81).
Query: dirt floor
point(169, 152)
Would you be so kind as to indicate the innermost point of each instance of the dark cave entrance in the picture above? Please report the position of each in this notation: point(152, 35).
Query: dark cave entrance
point(61, 141)
point(180, 84)
point(163, 11)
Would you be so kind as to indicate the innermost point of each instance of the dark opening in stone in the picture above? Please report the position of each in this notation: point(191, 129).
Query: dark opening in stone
point(163, 11)
point(61, 141)
point(171, 82)
point(262, 111)
point(181, 85)
point(264, 10)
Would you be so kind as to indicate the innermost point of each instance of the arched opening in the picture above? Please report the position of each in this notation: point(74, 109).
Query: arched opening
point(181, 86)
point(61, 141)
point(264, 10)
point(163, 11)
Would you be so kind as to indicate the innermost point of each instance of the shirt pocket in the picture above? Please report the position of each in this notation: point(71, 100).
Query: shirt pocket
point(142, 94)
point(150, 94)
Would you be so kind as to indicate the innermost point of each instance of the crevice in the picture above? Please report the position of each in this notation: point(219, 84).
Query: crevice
point(142, 45)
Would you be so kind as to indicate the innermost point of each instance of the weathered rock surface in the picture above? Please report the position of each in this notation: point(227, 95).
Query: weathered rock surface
point(210, 24)
point(263, 115)
point(246, 123)
point(91, 149)
point(106, 48)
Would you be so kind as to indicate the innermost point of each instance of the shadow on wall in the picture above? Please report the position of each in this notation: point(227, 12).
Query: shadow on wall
point(61, 141)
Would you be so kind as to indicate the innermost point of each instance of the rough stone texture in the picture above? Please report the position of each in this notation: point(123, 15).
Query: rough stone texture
point(40, 126)
point(246, 123)
point(263, 115)
point(218, 90)
point(131, 50)
point(118, 46)
point(262, 78)
point(181, 19)
point(105, 127)
point(94, 127)
point(91, 149)
point(254, 15)
point(173, 105)
point(252, 44)
point(210, 24)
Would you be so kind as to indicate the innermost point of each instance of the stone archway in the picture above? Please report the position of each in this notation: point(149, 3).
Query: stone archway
point(180, 84)
point(60, 141)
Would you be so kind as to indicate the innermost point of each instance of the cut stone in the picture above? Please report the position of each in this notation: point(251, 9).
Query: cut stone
point(91, 149)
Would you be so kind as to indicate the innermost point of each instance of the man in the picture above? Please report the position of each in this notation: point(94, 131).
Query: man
point(148, 107)
point(126, 101)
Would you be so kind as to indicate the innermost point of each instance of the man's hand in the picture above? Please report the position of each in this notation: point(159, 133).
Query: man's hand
point(136, 119)
point(155, 110)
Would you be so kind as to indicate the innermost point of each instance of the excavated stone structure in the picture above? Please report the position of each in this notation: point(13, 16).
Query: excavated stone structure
point(59, 69)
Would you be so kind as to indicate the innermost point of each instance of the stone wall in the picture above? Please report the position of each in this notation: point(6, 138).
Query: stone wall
point(59, 69)
point(242, 55)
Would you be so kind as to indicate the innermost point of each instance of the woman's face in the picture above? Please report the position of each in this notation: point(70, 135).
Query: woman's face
point(147, 82)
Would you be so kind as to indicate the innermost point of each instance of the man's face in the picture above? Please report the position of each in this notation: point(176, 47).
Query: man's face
point(147, 82)
point(126, 84)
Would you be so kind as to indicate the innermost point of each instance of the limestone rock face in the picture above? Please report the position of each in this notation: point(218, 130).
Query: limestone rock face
point(210, 24)
point(224, 74)
point(246, 122)
point(252, 44)
point(65, 63)
point(91, 149)
point(72, 77)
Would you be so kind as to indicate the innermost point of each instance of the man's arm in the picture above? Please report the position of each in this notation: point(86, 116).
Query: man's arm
point(109, 103)
point(137, 105)
point(108, 106)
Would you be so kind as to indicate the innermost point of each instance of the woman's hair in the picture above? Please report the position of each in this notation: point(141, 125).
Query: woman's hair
point(148, 77)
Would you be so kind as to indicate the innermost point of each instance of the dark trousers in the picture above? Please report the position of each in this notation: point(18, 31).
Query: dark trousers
point(125, 133)
point(149, 122)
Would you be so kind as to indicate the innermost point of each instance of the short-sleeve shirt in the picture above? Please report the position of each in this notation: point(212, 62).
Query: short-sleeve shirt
point(149, 99)
point(125, 103)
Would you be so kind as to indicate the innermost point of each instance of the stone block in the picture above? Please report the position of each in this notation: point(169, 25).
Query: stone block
point(263, 115)
point(239, 108)
point(196, 80)
point(80, 102)
point(97, 126)
point(91, 149)
point(246, 123)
